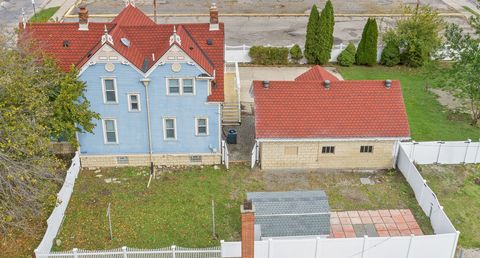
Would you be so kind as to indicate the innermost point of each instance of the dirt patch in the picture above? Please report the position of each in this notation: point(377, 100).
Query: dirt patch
point(448, 100)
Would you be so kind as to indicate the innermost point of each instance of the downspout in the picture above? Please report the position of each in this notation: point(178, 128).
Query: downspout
point(146, 82)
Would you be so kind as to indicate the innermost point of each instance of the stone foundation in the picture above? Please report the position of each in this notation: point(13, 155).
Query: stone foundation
point(144, 160)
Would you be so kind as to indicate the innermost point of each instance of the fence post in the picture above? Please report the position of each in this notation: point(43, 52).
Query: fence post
point(75, 255)
point(454, 247)
point(365, 238)
point(409, 252)
point(412, 151)
point(270, 248)
point(439, 150)
point(173, 251)
point(421, 193)
point(466, 150)
point(124, 250)
point(476, 153)
point(317, 247)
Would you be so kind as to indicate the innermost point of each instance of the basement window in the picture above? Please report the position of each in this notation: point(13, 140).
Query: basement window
point(366, 149)
point(122, 160)
point(195, 159)
point(328, 149)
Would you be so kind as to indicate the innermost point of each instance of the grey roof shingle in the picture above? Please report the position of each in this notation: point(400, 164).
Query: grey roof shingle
point(295, 213)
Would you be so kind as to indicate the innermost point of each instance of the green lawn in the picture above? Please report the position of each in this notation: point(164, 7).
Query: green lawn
point(428, 119)
point(176, 209)
point(460, 197)
point(44, 15)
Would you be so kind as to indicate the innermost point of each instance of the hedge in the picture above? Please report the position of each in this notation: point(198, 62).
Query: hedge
point(269, 55)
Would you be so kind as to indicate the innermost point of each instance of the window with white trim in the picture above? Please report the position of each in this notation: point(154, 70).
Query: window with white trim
point(328, 149)
point(110, 131)
point(201, 125)
point(366, 149)
point(170, 130)
point(173, 86)
point(133, 102)
point(187, 86)
point(109, 90)
point(180, 86)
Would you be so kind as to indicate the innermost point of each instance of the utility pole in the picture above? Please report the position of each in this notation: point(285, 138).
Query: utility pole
point(34, 11)
point(155, 10)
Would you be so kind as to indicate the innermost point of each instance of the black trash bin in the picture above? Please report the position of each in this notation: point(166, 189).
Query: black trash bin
point(232, 136)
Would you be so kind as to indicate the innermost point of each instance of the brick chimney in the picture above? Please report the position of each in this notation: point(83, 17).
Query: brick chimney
point(248, 229)
point(214, 17)
point(82, 17)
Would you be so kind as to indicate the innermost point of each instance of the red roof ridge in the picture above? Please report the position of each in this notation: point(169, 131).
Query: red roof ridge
point(316, 73)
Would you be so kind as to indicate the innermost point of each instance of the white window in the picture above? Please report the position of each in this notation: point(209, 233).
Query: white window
point(173, 86)
point(109, 90)
point(201, 125)
point(176, 86)
point(110, 131)
point(134, 102)
point(170, 128)
point(187, 86)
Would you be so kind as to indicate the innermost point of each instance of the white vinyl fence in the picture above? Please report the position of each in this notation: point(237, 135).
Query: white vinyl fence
point(127, 252)
point(56, 218)
point(457, 152)
point(441, 245)
point(240, 53)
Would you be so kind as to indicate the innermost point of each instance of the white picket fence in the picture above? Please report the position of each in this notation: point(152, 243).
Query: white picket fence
point(240, 53)
point(125, 252)
point(56, 218)
point(441, 245)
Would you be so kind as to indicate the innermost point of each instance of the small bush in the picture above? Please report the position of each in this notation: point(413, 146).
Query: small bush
point(269, 55)
point(390, 54)
point(347, 57)
point(296, 53)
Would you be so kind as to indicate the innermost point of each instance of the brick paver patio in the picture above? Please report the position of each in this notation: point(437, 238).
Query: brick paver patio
point(373, 223)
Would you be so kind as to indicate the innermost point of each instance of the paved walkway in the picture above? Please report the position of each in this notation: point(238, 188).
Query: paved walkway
point(374, 223)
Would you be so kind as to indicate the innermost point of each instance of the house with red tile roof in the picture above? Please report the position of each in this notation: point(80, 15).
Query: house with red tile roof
point(318, 121)
point(157, 87)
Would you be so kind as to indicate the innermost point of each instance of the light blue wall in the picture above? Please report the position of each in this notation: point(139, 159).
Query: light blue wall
point(132, 126)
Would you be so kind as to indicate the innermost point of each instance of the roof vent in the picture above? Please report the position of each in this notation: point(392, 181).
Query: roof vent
point(326, 84)
point(66, 43)
point(266, 84)
point(209, 42)
point(388, 84)
point(125, 42)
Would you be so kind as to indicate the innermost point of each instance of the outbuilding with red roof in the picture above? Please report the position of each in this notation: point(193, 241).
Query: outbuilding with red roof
point(318, 121)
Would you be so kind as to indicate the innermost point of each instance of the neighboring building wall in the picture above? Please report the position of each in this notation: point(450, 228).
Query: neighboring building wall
point(144, 160)
point(278, 155)
point(132, 129)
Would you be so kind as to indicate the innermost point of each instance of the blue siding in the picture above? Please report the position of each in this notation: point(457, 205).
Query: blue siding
point(132, 126)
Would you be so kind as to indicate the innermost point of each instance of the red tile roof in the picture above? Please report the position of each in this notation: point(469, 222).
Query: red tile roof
point(316, 73)
point(306, 109)
point(146, 38)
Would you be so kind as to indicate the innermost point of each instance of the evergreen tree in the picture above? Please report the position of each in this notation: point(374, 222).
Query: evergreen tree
point(327, 22)
point(390, 54)
point(347, 57)
point(312, 39)
point(371, 43)
point(367, 48)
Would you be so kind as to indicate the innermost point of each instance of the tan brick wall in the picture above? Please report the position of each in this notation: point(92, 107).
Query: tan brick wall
point(143, 160)
point(347, 155)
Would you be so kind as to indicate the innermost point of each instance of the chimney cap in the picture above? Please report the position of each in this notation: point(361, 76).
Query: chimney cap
point(266, 84)
point(388, 84)
point(326, 84)
point(247, 207)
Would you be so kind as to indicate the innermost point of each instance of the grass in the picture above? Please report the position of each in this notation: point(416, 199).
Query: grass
point(429, 121)
point(470, 10)
point(460, 197)
point(44, 15)
point(176, 209)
